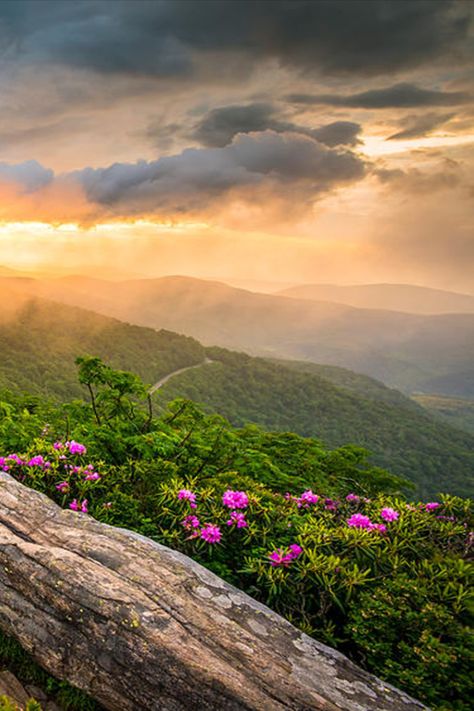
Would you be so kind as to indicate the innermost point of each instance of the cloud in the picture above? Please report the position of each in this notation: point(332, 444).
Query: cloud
point(289, 169)
point(398, 96)
point(218, 127)
point(417, 126)
point(338, 133)
point(446, 175)
point(163, 38)
point(196, 178)
point(28, 177)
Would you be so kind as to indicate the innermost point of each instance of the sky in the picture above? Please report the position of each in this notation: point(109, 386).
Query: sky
point(265, 142)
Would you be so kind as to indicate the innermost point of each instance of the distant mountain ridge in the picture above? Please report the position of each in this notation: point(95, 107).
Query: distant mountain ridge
point(390, 297)
point(412, 352)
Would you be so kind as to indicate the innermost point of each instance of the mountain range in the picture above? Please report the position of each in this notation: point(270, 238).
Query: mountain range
point(390, 297)
point(410, 351)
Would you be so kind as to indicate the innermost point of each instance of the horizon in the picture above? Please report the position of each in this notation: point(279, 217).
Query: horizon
point(148, 138)
point(251, 285)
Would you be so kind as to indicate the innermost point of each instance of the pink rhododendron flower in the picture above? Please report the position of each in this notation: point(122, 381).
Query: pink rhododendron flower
point(76, 448)
point(280, 557)
point(187, 495)
point(389, 514)
point(284, 556)
point(330, 505)
point(307, 499)
point(15, 458)
point(76, 506)
point(63, 486)
point(353, 498)
point(37, 461)
point(92, 476)
point(190, 522)
point(295, 551)
point(432, 505)
point(235, 499)
point(211, 533)
point(380, 527)
point(238, 519)
point(58, 445)
point(359, 521)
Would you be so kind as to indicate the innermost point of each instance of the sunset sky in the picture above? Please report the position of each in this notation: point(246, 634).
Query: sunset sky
point(279, 142)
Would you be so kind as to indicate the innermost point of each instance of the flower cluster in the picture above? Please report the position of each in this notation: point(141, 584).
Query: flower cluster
point(237, 519)
point(283, 557)
point(235, 499)
point(189, 496)
point(76, 506)
point(389, 514)
point(211, 533)
point(71, 446)
point(361, 521)
point(352, 498)
point(307, 499)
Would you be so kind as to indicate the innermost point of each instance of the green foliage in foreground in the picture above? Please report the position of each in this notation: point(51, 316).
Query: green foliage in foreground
point(397, 602)
point(14, 658)
point(7, 704)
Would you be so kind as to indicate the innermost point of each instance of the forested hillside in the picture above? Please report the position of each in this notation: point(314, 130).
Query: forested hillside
point(40, 341)
point(400, 434)
point(412, 352)
point(458, 412)
point(40, 345)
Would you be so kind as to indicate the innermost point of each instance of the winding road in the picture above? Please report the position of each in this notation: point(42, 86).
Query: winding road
point(165, 379)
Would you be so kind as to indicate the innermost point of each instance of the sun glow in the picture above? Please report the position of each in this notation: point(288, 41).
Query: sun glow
point(380, 146)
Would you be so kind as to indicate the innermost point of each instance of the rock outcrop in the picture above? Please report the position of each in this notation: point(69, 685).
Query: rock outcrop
point(139, 626)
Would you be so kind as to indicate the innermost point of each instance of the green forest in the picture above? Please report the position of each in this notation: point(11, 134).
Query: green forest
point(286, 519)
point(333, 404)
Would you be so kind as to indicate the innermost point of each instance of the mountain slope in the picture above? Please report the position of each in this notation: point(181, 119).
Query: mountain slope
point(39, 341)
point(408, 351)
point(402, 437)
point(454, 411)
point(391, 297)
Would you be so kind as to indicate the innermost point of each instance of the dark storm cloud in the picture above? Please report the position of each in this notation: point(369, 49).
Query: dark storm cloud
point(218, 127)
point(398, 96)
point(196, 177)
point(338, 133)
point(418, 126)
point(162, 38)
